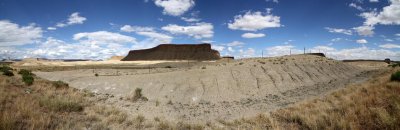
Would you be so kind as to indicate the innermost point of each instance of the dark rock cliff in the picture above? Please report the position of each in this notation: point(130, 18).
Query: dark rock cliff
point(174, 52)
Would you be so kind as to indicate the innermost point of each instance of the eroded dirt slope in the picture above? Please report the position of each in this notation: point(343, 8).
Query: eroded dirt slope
point(224, 91)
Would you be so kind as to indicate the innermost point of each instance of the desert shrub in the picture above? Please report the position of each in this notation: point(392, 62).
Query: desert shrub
point(28, 79)
point(25, 72)
point(60, 104)
point(203, 67)
point(96, 74)
point(138, 95)
point(395, 76)
point(5, 67)
point(7, 73)
point(241, 63)
point(60, 84)
point(168, 66)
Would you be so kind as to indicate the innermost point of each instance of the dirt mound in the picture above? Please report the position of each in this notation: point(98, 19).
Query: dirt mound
point(175, 52)
point(218, 91)
point(118, 58)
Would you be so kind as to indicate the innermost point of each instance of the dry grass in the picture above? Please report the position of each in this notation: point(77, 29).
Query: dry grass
point(374, 104)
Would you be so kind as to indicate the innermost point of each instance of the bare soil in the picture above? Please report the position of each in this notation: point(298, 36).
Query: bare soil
point(217, 90)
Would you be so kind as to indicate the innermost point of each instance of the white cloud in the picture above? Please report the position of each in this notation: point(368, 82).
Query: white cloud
point(129, 28)
point(235, 43)
point(73, 19)
point(365, 30)
point(348, 53)
point(217, 47)
point(275, 1)
point(390, 15)
point(249, 52)
point(207, 41)
point(282, 50)
point(190, 19)
point(373, 1)
point(13, 34)
point(175, 7)
point(161, 38)
point(336, 39)
point(398, 34)
point(253, 35)
point(358, 7)
point(339, 30)
point(197, 30)
point(230, 49)
point(51, 28)
point(390, 46)
point(103, 38)
point(362, 41)
point(253, 21)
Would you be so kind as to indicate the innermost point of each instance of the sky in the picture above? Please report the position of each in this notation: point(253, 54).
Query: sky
point(99, 29)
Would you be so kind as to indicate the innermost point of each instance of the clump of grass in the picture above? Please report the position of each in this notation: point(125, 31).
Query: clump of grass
point(27, 76)
point(60, 84)
point(96, 74)
point(203, 67)
point(168, 66)
point(60, 104)
point(137, 95)
point(7, 71)
point(241, 63)
point(395, 76)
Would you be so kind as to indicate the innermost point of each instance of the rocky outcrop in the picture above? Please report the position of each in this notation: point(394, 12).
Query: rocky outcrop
point(200, 52)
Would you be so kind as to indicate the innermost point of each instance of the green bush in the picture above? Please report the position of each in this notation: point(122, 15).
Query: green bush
point(25, 72)
point(395, 76)
point(8, 73)
point(4, 68)
point(60, 84)
point(28, 79)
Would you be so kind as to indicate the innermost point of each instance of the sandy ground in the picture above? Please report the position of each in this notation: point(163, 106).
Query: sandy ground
point(223, 91)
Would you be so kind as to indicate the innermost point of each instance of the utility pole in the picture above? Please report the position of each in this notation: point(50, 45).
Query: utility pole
point(304, 50)
point(290, 51)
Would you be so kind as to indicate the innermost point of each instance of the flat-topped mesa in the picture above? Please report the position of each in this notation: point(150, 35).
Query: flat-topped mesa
point(201, 52)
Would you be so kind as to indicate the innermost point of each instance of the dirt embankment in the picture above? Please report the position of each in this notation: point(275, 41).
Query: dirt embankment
point(174, 52)
point(225, 91)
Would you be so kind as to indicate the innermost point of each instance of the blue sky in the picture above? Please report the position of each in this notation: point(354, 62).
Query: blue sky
point(98, 29)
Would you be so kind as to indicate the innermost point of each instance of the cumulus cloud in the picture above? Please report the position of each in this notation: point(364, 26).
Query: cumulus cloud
point(390, 46)
point(190, 19)
point(339, 30)
point(398, 34)
point(197, 30)
point(129, 28)
point(373, 1)
point(348, 53)
point(253, 21)
point(390, 15)
point(175, 7)
point(362, 41)
point(275, 1)
point(103, 38)
point(253, 35)
point(154, 38)
point(217, 47)
point(235, 43)
point(161, 38)
point(365, 30)
point(73, 19)
point(12, 34)
point(249, 52)
point(358, 7)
